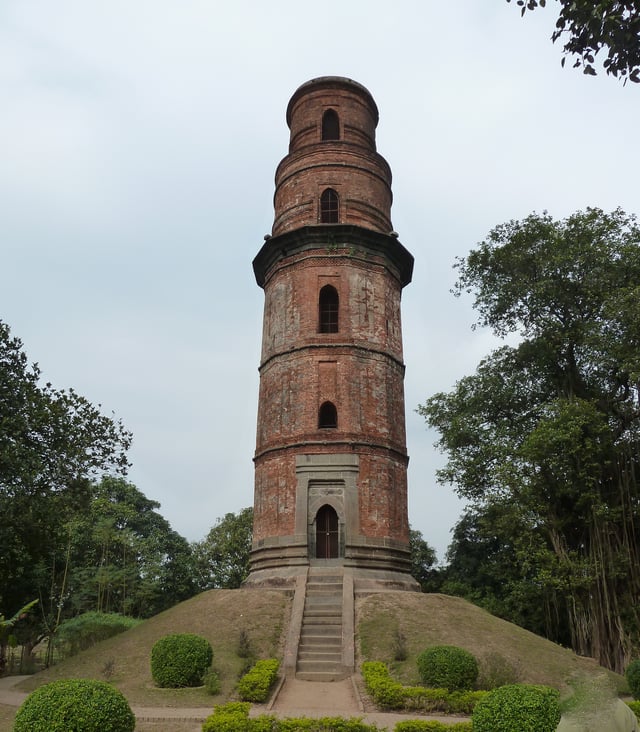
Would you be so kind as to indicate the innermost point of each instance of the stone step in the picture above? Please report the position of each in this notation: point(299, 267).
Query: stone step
point(324, 641)
point(330, 621)
point(325, 676)
point(326, 666)
point(323, 611)
point(320, 655)
point(323, 600)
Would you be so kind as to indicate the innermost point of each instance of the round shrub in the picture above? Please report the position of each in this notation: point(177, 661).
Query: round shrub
point(181, 659)
point(632, 674)
point(75, 705)
point(447, 667)
point(515, 708)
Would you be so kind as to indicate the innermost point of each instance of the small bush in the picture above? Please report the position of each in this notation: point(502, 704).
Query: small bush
point(400, 652)
point(180, 660)
point(447, 667)
point(632, 674)
point(515, 708)
point(212, 682)
point(495, 671)
point(84, 631)
point(256, 684)
point(635, 707)
point(80, 705)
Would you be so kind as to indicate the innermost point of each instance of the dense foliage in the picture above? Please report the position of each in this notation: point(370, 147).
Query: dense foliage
point(590, 27)
point(447, 667)
point(256, 684)
point(180, 660)
point(234, 717)
point(72, 705)
point(74, 533)
point(544, 437)
point(222, 557)
point(390, 694)
point(79, 633)
point(516, 708)
point(632, 674)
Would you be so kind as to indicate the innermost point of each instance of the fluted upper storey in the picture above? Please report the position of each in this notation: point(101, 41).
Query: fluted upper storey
point(332, 174)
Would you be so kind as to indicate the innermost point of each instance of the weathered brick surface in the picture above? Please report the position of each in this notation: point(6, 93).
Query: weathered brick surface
point(359, 368)
point(351, 166)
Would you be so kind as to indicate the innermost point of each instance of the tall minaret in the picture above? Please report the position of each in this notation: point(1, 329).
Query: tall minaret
point(331, 457)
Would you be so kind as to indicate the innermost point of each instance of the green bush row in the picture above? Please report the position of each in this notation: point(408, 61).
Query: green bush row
point(84, 631)
point(234, 717)
point(389, 694)
point(256, 684)
point(429, 725)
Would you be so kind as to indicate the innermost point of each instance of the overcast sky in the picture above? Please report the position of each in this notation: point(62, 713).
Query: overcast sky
point(138, 145)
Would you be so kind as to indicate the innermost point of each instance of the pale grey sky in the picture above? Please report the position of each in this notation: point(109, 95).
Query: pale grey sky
point(138, 145)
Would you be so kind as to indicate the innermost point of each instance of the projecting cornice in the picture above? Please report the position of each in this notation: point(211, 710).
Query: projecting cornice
point(335, 240)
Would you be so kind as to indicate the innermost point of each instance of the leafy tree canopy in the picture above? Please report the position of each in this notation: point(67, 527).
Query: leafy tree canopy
point(53, 443)
point(550, 428)
point(589, 27)
point(222, 557)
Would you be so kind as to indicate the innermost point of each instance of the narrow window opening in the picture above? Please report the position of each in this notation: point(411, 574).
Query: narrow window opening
point(328, 305)
point(328, 416)
point(330, 125)
point(329, 207)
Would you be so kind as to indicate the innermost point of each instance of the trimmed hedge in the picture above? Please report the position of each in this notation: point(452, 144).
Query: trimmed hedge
point(428, 725)
point(389, 694)
point(632, 674)
point(635, 707)
point(518, 708)
point(75, 705)
point(84, 631)
point(448, 667)
point(256, 684)
point(234, 717)
point(180, 660)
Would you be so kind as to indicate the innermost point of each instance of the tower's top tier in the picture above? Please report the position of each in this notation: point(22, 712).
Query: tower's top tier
point(332, 174)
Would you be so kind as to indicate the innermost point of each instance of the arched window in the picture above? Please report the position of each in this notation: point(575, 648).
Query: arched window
point(328, 304)
point(329, 207)
point(327, 416)
point(330, 125)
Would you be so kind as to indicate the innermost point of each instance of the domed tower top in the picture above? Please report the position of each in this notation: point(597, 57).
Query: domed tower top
point(336, 97)
point(332, 174)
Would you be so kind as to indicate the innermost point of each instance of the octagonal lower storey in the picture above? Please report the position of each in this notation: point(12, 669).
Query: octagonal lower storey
point(331, 508)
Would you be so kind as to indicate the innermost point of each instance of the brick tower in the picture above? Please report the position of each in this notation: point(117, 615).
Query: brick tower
point(331, 458)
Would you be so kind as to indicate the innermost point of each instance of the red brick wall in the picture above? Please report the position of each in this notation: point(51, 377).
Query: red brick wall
point(360, 368)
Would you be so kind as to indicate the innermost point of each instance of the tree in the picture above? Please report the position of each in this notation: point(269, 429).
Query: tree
point(125, 557)
point(613, 25)
point(423, 561)
point(52, 444)
point(552, 426)
point(486, 565)
point(222, 558)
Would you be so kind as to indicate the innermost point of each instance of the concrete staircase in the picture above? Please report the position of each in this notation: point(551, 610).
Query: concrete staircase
point(320, 656)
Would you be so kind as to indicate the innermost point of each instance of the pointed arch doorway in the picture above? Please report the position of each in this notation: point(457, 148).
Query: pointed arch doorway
point(327, 533)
